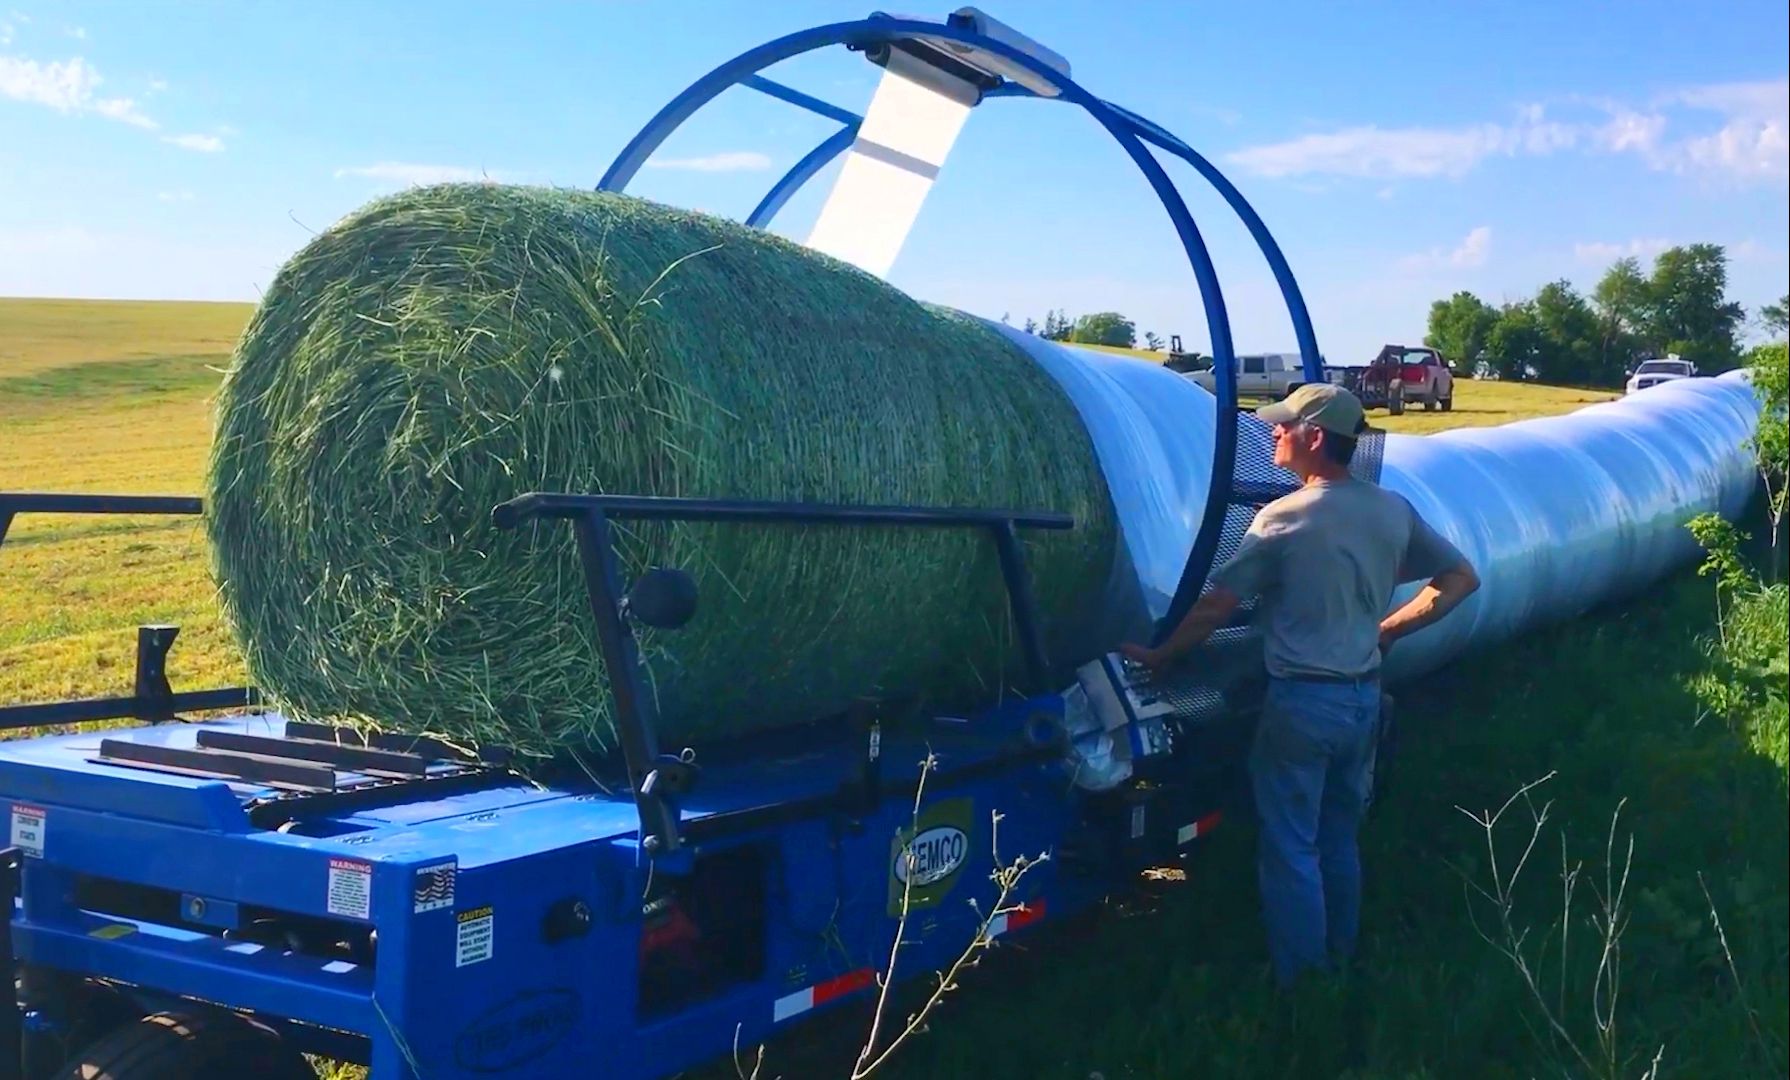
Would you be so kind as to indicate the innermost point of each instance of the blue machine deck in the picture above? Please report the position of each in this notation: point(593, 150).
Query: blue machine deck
point(461, 888)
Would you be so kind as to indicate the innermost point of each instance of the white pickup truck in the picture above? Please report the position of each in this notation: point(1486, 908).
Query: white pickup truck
point(1658, 370)
point(1259, 375)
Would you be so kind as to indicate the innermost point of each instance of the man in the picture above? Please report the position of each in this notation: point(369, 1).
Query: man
point(1324, 562)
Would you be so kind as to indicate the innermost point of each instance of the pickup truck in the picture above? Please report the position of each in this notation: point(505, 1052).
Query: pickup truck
point(1401, 374)
point(1656, 370)
point(1259, 375)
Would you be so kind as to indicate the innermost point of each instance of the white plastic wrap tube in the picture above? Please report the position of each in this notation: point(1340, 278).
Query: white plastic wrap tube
point(1153, 433)
point(1557, 514)
point(1563, 513)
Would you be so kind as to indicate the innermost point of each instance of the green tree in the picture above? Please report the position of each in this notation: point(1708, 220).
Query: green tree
point(1458, 327)
point(1104, 328)
point(1515, 342)
point(1152, 341)
point(1689, 312)
point(1624, 305)
point(1776, 317)
point(1769, 369)
point(1569, 338)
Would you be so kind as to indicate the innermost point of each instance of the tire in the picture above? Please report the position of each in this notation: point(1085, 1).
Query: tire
point(198, 1045)
point(1430, 401)
point(1448, 403)
point(1288, 392)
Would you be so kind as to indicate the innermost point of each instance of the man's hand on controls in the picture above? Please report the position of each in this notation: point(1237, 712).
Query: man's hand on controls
point(1150, 659)
point(1206, 616)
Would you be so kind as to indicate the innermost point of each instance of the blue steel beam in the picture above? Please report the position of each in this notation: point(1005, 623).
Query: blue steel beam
point(796, 97)
point(800, 173)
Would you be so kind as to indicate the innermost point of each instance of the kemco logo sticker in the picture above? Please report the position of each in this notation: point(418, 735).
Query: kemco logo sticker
point(932, 852)
point(936, 854)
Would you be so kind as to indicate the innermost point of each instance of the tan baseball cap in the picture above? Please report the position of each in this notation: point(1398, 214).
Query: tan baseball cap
point(1329, 407)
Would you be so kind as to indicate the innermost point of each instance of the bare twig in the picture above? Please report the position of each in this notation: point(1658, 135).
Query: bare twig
point(739, 1068)
point(1007, 878)
point(1510, 940)
point(1739, 986)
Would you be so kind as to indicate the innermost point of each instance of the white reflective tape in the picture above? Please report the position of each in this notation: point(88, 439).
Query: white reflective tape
point(1187, 832)
point(794, 1004)
point(338, 967)
point(247, 948)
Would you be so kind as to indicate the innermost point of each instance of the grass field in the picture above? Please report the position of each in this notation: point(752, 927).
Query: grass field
point(1635, 703)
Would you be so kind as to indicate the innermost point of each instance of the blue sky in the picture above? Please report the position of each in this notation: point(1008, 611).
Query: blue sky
point(1398, 151)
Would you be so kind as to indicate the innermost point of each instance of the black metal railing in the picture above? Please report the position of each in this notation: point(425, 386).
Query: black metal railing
point(152, 698)
point(657, 779)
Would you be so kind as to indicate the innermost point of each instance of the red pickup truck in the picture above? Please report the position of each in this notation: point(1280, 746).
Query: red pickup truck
point(1400, 375)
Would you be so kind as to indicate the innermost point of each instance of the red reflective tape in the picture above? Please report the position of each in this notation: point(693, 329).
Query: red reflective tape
point(1025, 916)
point(836, 988)
point(1208, 823)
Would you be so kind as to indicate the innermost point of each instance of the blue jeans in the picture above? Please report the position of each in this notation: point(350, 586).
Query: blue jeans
point(1312, 768)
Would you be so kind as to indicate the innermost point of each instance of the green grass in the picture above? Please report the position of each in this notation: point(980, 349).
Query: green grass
point(1623, 708)
point(1636, 703)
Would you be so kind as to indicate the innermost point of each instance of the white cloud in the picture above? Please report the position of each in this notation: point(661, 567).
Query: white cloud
point(6, 33)
point(1744, 149)
point(125, 111)
point(407, 173)
point(1374, 152)
point(1601, 252)
point(71, 87)
point(1472, 251)
point(1628, 130)
point(174, 196)
point(1767, 97)
point(204, 144)
point(1380, 153)
point(79, 33)
point(1751, 143)
point(64, 85)
point(156, 85)
point(728, 161)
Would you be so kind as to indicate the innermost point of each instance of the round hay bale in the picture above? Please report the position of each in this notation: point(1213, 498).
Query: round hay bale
point(449, 348)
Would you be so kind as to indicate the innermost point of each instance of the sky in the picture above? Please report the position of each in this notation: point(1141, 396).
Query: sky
point(1398, 151)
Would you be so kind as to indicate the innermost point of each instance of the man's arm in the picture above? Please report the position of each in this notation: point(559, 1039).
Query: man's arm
point(1441, 595)
point(1201, 621)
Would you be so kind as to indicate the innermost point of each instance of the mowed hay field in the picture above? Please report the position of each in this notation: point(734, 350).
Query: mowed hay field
point(1637, 712)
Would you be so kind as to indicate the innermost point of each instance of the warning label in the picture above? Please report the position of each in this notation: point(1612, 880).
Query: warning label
point(28, 829)
point(472, 938)
point(350, 889)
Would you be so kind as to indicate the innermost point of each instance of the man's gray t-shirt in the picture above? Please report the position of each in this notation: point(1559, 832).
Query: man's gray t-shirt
point(1324, 562)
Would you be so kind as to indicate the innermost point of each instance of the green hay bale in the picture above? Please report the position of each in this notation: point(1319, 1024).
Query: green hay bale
point(449, 348)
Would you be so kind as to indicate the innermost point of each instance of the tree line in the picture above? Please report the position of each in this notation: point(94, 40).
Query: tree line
point(1099, 328)
point(1679, 305)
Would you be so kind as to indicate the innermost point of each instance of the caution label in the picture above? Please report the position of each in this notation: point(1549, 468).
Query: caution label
point(350, 889)
point(473, 936)
point(28, 829)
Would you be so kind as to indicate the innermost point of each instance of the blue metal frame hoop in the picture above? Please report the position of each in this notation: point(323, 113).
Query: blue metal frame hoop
point(1126, 128)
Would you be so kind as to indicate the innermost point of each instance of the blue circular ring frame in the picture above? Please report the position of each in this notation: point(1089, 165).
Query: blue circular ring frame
point(1128, 129)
